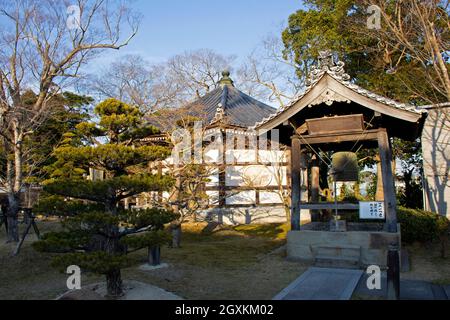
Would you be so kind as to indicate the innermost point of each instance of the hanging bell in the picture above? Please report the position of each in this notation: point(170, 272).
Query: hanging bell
point(344, 166)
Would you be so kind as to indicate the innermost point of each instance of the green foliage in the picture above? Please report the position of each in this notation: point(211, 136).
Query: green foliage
point(96, 230)
point(116, 188)
point(67, 110)
point(154, 217)
point(54, 205)
point(416, 225)
point(411, 196)
point(419, 225)
point(341, 26)
point(148, 239)
point(99, 262)
point(410, 156)
point(62, 242)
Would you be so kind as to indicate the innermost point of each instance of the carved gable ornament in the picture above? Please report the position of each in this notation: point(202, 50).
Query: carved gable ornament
point(329, 97)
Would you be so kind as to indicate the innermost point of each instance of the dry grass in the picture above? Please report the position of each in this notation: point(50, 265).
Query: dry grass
point(231, 263)
point(427, 264)
point(29, 275)
point(241, 262)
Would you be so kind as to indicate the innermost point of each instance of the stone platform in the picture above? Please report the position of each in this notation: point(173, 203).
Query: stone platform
point(354, 249)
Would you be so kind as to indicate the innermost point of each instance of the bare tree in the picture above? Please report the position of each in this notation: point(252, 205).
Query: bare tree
point(418, 31)
point(269, 75)
point(196, 72)
point(137, 82)
point(43, 49)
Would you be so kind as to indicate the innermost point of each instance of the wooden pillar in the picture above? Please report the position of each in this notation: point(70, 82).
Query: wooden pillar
point(390, 200)
point(390, 203)
point(315, 187)
point(295, 183)
point(222, 167)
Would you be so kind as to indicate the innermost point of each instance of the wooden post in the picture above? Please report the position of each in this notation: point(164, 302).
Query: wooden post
point(390, 200)
point(222, 167)
point(393, 273)
point(390, 203)
point(315, 187)
point(295, 183)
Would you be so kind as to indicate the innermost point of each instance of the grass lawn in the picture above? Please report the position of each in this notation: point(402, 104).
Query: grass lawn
point(232, 263)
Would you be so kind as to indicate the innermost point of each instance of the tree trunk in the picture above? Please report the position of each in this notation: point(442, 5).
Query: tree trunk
point(113, 247)
point(114, 284)
point(12, 215)
point(14, 182)
point(176, 234)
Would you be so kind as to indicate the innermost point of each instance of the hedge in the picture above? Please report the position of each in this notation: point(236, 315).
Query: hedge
point(422, 226)
point(416, 225)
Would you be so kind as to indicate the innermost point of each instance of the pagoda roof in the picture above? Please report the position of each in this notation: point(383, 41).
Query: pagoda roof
point(229, 106)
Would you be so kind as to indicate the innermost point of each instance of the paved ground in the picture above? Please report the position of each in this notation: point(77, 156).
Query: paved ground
point(322, 284)
point(346, 284)
point(409, 290)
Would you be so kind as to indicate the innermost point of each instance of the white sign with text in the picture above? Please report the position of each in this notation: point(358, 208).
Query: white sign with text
point(371, 210)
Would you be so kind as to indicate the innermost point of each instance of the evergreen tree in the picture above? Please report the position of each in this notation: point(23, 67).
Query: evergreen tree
point(97, 231)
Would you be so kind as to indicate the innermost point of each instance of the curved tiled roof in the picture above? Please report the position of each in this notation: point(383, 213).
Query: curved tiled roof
point(228, 105)
point(336, 71)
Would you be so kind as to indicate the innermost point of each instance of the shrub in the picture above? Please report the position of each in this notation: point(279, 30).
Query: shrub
point(416, 225)
point(419, 225)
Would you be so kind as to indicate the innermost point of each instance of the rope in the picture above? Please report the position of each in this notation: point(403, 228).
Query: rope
point(316, 153)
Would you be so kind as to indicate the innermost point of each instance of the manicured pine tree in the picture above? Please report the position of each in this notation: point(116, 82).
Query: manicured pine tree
point(97, 231)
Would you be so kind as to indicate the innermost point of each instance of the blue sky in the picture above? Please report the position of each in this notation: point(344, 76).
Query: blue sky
point(235, 27)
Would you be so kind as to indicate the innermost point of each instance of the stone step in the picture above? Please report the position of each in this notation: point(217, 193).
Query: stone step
point(324, 261)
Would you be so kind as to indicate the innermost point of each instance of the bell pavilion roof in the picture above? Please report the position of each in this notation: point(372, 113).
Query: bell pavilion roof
point(327, 84)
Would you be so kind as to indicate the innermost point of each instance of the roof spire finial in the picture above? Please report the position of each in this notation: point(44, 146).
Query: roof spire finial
point(327, 63)
point(226, 80)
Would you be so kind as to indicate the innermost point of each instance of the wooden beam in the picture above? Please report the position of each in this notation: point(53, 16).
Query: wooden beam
point(329, 206)
point(390, 200)
point(295, 183)
point(340, 137)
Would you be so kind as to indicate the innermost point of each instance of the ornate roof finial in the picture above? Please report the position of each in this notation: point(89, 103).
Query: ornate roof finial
point(327, 63)
point(226, 80)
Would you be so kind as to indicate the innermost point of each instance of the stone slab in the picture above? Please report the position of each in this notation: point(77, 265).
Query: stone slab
point(322, 284)
point(133, 290)
point(409, 290)
point(149, 267)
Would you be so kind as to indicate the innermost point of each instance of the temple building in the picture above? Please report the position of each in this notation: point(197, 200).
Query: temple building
point(247, 176)
point(261, 159)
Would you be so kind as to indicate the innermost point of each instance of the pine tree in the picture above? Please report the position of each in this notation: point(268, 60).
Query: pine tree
point(97, 231)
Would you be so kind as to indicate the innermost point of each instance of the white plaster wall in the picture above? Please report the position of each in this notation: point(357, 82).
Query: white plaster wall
point(266, 197)
point(212, 156)
point(243, 197)
point(244, 215)
point(241, 156)
point(213, 197)
point(255, 176)
point(436, 161)
point(272, 156)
